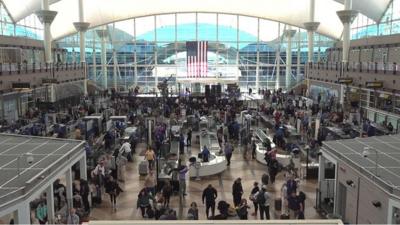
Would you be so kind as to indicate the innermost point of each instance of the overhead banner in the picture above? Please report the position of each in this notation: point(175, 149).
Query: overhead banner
point(374, 84)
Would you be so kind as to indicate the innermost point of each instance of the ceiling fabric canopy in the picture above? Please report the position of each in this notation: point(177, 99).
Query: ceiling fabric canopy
point(293, 12)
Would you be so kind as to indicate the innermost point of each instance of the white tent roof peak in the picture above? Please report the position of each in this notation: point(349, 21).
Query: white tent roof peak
point(99, 12)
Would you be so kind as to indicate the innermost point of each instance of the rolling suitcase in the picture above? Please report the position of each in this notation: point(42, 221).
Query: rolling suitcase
point(278, 204)
point(143, 168)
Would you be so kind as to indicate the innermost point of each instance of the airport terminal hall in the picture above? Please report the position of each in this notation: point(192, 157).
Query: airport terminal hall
point(132, 112)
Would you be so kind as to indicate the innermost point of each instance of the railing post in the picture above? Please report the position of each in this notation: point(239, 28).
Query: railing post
point(47, 67)
point(384, 68)
point(394, 68)
point(19, 68)
point(33, 67)
point(1, 68)
point(9, 68)
point(367, 67)
point(376, 67)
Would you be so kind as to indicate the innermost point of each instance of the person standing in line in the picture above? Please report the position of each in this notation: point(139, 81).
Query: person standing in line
point(166, 192)
point(209, 195)
point(253, 199)
point(182, 180)
point(41, 212)
point(72, 217)
point(126, 150)
point(228, 150)
point(253, 148)
point(237, 191)
point(189, 138)
point(150, 183)
point(150, 157)
point(242, 209)
point(193, 212)
point(294, 205)
point(291, 185)
point(181, 144)
point(143, 201)
point(263, 201)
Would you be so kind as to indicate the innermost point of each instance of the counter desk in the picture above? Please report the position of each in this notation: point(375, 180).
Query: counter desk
point(260, 155)
point(215, 165)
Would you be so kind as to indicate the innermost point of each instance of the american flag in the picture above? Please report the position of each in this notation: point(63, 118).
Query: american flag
point(197, 65)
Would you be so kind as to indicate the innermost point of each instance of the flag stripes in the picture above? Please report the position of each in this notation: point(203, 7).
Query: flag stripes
point(197, 65)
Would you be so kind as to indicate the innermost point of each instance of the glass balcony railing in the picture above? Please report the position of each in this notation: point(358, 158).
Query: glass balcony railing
point(25, 68)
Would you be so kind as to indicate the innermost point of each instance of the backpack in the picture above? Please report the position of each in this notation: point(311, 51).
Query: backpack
point(260, 198)
point(302, 196)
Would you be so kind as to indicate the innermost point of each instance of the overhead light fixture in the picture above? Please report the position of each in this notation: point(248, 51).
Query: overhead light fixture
point(366, 152)
point(377, 203)
point(350, 183)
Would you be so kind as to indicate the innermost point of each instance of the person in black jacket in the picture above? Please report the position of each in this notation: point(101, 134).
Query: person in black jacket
point(189, 138)
point(237, 191)
point(209, 195)
point(113, 190)
point(255, 189)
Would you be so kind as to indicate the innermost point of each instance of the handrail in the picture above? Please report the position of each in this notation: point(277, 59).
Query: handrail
point(370, 67)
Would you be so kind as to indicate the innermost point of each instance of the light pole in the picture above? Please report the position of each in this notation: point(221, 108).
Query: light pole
point(366, 152)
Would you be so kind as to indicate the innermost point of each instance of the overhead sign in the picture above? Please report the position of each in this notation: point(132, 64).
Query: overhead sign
point(21, 85)
point(374, 84)
point(49, 81)
point(345, 80)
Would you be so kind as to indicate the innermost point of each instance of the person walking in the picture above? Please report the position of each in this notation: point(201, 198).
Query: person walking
point(253, 192)
point(228, 150)
point(237, 191)
point(263, 200)
point(209, 196)
point(150, 156)
point(113, 189)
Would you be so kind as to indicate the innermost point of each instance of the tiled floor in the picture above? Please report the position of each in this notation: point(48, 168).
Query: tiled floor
point(249, 171)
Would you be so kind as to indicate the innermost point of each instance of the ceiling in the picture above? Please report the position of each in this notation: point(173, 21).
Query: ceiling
point(100, 12)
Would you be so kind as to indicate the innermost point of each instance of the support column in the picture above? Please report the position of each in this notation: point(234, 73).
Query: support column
point(321, 170)
point(94, 66)
point(83, 167)
point(298, 57)
point(311, 27)
point(82, 27)
point(68, 178)
point(23, 214)
point(115, 86)
point(50, 204)
point(46, 17)
point(103, 34)
point(278, 61)
point(346, 16)
point(289, 33)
